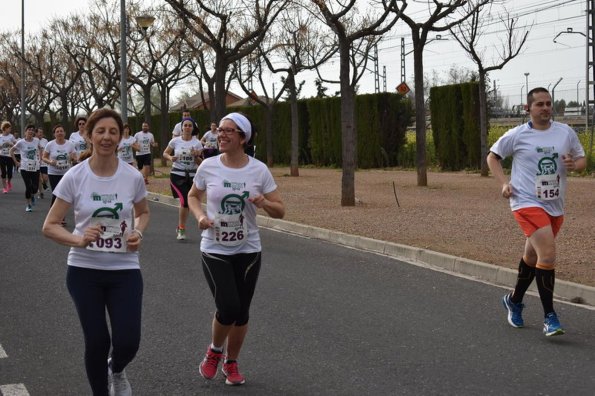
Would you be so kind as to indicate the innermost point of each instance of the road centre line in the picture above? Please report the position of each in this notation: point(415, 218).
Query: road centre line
point(13, 390)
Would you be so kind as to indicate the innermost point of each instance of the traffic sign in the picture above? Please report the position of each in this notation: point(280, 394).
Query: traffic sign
point(403, 88)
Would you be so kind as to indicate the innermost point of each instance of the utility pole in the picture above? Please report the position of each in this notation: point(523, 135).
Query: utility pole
point(23, 74)
point(590, 45)
point(403, 59)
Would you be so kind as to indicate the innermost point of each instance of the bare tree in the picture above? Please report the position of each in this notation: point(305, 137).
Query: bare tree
point(161, 61)
point(438, 12)
point(298, 47)
point(232, 29)
point(356, 32)
point(267, 101)
point(468, 34)
point(294, 45)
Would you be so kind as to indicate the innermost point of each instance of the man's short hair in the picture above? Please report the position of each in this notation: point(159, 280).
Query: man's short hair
point(531, 99)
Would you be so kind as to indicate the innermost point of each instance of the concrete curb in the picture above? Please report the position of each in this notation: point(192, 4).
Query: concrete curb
point(565, 290)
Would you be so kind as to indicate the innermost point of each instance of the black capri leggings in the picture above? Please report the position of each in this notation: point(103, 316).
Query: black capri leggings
point(6, 166)
point(31, 180)
point(54, 180)
point(232, 280)
point(121, 293)
point(180, 187)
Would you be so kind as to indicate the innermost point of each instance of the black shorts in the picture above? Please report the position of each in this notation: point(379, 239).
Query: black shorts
point(143, 160)
point(180, 187)
point(43, 170)
point(209, 152)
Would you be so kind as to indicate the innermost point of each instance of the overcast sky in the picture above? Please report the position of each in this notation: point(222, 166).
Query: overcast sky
point(545, 61)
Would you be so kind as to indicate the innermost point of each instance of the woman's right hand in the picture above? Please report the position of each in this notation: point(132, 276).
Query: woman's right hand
point(204, 222)
point(92, 233)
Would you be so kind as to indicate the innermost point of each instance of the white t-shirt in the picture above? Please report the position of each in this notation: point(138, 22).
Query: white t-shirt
point(538, 176)
point(29, 152)
point(177, 130)
point(80, 144)
point(228, 190)
point(183, 151)
point(144, 141)
point(6, 142)
point(210, 139)
point(42, 143)
point(125, 149)
point(61, 154)
point(110, 199)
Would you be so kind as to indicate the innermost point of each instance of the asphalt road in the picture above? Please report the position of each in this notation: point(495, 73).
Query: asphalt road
point(325, 320)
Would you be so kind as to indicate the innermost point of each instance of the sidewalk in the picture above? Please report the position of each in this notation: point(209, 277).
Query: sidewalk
point(459, 266)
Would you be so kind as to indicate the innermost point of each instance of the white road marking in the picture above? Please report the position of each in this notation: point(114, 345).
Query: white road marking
point(2, 352)
point(13, 390)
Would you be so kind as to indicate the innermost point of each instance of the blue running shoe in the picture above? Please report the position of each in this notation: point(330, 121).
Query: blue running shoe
point(515, 311)
point(551, 325)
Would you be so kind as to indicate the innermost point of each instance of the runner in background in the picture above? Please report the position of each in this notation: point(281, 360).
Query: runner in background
point(43, 169)
point(29, 151)
point(7, 140)
point(79, 137)
point(145, 141)
point(59, 154)
point(185, 154)
point(127, 144)
point(209, 141)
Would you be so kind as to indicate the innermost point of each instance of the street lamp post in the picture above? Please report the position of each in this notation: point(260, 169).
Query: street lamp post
point(527, 83)
point(123, 63)
point(577, 84)
point(23, 76)
point(554, 98)
point(144, 21)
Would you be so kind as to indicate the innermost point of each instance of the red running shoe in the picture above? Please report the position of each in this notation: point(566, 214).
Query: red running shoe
point(232, 374)
point(208, 367)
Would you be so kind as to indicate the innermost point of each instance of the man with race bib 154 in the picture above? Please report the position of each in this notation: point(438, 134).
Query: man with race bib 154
point(542, 151)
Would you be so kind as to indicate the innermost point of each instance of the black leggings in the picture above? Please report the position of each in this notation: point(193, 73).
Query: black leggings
point(31, 180)
point(54, 180)
point(6, 166)
point(121, 293)
point(180, 187)
point(232, 280)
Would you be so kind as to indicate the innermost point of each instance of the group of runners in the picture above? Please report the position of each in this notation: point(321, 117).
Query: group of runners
point(111, 215)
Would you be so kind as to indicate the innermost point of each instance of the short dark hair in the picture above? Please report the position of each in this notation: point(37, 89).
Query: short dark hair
point(56, 127)
point(76, 122)
point(31, 126)
point(530, 98)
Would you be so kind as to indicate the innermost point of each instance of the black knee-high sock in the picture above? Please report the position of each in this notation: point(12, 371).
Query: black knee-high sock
point(524, 279)
point(545, 284)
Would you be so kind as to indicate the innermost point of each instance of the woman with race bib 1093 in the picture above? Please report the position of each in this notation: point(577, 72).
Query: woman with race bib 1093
point(235, 185)
point(110, 214)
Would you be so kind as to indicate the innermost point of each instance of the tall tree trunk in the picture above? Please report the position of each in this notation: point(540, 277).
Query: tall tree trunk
point(220, 93)
point(348, 132)
point(164, 122)
point(483, 123)
point(420, 113)
point(269, 134)
point(64, 103)
point(295, 131)
point(147, 104)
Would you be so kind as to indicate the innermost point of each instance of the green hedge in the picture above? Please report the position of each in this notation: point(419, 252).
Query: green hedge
point(381, 122)
point(455, 125)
